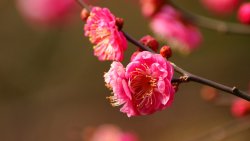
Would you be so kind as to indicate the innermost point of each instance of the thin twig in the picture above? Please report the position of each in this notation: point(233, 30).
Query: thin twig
point(232, 90)
point(186, 75)
point(212, 24)
point(135, 42)
point(83, 4)
point(191, 77)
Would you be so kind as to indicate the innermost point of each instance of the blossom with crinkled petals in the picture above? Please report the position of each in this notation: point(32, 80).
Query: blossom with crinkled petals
point(144, 86)
point(116, 81)
point(103, 32)
point(169, 25)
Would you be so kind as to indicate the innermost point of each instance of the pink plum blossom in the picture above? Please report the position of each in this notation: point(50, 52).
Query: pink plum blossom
point(169, 25)
point(115, 80)
point(109, 132)
point(46, 12)
point(143, 87)
point(221, 7)
point(103, 32)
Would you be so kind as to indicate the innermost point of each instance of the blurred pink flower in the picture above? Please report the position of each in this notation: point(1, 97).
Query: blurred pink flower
point(221, 7)
point(244, 13)
point(102, 31)
point(240, 107)
point(129, 137)
point(46, 12)
point(110, 132)
point(169, 25)
point(150, 7)
point(144, 87)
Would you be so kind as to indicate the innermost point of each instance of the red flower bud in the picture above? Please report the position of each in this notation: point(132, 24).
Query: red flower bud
point(166, 51)
point(119, 23)
point(150, 42)
point(84, 14)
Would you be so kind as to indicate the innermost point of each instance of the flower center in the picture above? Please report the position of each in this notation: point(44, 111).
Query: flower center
point(142, 85)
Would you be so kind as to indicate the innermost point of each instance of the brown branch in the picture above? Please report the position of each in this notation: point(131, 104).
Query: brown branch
point(186, 76)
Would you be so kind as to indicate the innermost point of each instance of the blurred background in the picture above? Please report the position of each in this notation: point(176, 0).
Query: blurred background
point(51, 86)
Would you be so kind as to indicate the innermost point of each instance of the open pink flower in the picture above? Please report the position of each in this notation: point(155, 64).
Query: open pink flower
point(144, 86)
point(102, 31)
point(115, 80)
point(169, 25)
point(46, 12)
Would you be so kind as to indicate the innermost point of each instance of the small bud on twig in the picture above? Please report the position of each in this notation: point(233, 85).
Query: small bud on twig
point(166, 51)
point(119, 23)
point(84, 14)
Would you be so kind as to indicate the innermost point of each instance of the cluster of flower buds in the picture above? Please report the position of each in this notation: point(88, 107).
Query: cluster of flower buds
point(169, 25)
point(227, 7)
